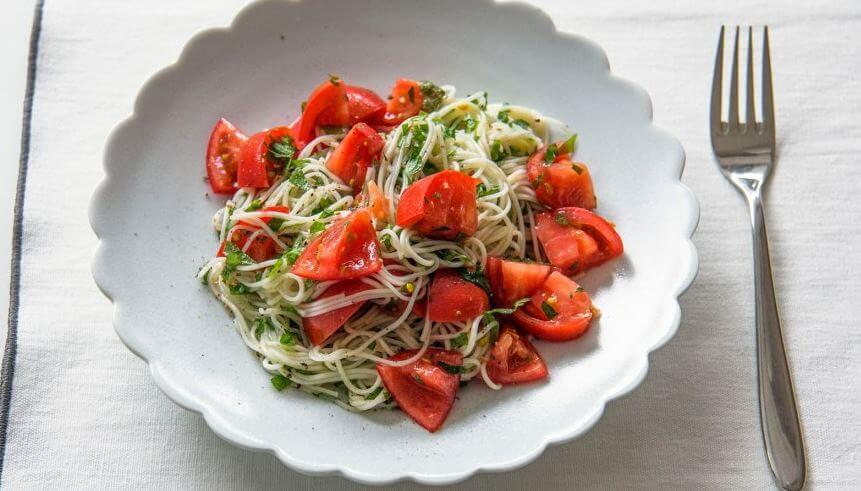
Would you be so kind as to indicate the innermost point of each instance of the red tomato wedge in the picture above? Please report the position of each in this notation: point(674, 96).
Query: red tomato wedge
point(353, 156)
point(222, 156)
point(513, 359)
point(512, 280)
point(255, 167)
point(377, 202)
point(405, 101)
point(440, 206)
point(451, 298)
point(575, 239)
point(321, 327)
point(561, 182)
point(426, 389)
point(329, 97)
point(363, 105)
point(261, 249)
point(347, 249)
point(559, 311)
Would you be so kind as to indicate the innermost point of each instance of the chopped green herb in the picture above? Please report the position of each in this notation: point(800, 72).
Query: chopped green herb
point(280, 382)
point(454, 369)
point(569, 145)
point(288, 339)
point(577, 168)
point(460, 340)
point(562, 218)
point(261, 324)
point(476, 277)
point(281, 151)
point(522, 123)
point(412, 94)
point(580, 289)
point(491, 314)
point(548, 310)
point(496, 150)
point(492, 335)
point(550, 156)
point(483, 190)
point(503, 116)
point(334, 80)
point(233, 257)
point(287, 258)
point(373, 395)
point(432, 94)
point(418, 134)
point(323, 205)
point(297, 178)
point(317, 227)
point(448, 133)
point(239, 289)
point(275, 224)
point(451, 256)
point(255, 205)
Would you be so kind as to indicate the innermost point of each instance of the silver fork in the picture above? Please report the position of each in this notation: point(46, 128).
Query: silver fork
point(745, 152)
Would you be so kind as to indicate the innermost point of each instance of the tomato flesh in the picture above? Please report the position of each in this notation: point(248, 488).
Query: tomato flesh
point(255, 167)
point(405, 101)
point(513, 359)
point(321, 327)
point(353, 156)
point(512, 280)
point(424, 390)
point(347, 249)
point(222, 156)
point(451, 298)
point(363, 106)
point(575, 239)
point(440, 206)
point(561, 182)
point(558, 311)
point(329, 97)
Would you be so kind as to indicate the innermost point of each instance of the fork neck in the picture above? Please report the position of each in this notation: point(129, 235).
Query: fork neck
point(749, 180)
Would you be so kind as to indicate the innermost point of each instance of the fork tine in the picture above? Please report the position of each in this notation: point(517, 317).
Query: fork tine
point(717, 88)
point(732, 119)
point(767, 91)
point(750, 112)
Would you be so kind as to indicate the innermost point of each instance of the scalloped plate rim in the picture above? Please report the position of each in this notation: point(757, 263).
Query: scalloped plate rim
point(230, 433)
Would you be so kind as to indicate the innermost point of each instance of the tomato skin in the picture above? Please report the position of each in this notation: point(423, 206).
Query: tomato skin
point(558, 184)
point(222, 156)
point(572, 305)
point(321, 327)
point(423, 390)
point(347, 249)
point(405, 101)
point(353, 156)
point(513, 359)
point(451, 298)
point(363, 106)
point(441, 206)
point(331, 97)
point(512, 280)
point(255, 167)
point(575, 239)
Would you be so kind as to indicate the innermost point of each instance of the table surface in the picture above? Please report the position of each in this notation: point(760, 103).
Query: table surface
point(85, 414)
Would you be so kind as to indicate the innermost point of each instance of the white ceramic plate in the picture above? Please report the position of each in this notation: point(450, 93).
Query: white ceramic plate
point(154, 223)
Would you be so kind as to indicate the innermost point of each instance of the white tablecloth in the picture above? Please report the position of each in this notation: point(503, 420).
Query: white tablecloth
point(85, 414)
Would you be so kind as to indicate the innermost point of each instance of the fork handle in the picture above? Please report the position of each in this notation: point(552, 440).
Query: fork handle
point(778, 415)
